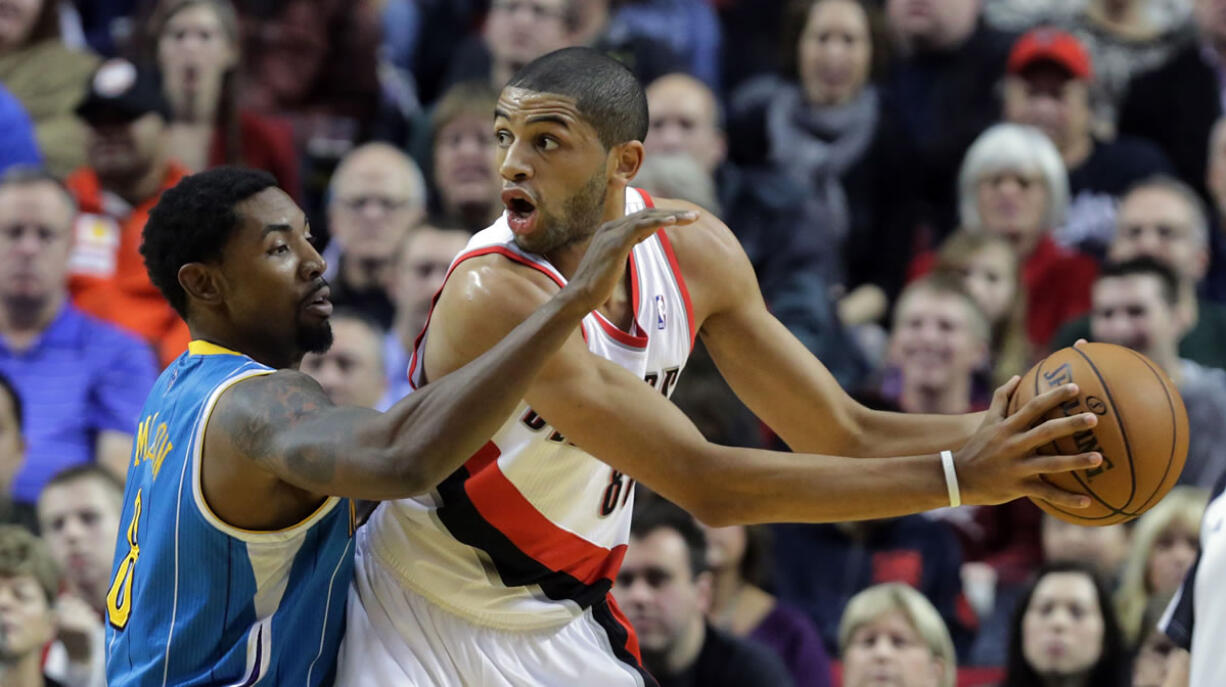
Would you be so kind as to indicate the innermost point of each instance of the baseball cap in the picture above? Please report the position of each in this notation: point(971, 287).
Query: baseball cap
point(120, 90)
point(1054, 46)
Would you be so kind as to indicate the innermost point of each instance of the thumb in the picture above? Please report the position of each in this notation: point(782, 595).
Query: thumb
point(1000, 399)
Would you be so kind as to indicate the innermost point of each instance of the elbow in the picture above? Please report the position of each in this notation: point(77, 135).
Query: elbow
point(405, 475)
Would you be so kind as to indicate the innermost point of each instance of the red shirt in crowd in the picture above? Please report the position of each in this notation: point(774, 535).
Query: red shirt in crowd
point(1057, 282)
point(108, 277)
point(265, 143)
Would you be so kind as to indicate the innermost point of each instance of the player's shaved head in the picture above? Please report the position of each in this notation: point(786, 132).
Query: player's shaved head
point(606, 94)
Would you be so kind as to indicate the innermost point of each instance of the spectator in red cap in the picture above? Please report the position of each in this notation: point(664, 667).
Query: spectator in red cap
point(1049, 78)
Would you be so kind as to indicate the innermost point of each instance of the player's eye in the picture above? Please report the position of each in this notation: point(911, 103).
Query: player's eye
point(503, 138)
point(547, 143)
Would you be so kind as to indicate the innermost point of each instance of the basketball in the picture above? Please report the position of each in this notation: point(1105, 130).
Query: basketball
point(1142, 430)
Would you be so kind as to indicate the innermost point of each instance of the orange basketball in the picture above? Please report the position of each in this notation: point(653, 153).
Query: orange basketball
point(1142, 430)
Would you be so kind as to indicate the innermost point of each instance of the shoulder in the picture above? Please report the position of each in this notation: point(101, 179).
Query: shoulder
point(249, 410)
point(498, 281)
point(706, 241)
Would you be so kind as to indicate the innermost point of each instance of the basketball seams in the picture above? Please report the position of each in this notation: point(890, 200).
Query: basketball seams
point(1119, 421)
point(1170, 404)
point(1113, 512)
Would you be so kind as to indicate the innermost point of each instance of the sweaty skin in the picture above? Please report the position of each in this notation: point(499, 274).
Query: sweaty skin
point(548, 154)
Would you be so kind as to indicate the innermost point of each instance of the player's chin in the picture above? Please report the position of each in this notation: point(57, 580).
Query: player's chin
point(314, 337)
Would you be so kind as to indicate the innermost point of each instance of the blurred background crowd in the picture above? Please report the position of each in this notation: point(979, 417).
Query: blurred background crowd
point(934, 194)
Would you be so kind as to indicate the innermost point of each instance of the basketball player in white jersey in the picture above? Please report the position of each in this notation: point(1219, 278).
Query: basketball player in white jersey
point(501, 575)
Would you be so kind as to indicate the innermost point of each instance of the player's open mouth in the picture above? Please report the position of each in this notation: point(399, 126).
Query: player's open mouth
point(521, 211)
point(320, 304)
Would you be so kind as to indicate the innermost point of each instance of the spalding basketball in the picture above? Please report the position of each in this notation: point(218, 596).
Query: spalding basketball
point(1142, 430)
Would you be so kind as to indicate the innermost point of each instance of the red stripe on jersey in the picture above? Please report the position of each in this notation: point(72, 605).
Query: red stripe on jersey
point(632, 639)
point(502, 505)
point(685, 292)
point(487, 250)
point(647, 201)
point(637, 337)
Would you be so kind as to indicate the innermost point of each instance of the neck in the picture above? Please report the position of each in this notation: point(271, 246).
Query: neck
point(26, 671)
point(137, 189)
point(1168, 360)
point(94, 596)
point(950, 400)
point(728, 584)
point(682, 654)
point(1188, 305)
point(21, 323)
point(1064, 681)
point(1076, 152)
point(276, 354)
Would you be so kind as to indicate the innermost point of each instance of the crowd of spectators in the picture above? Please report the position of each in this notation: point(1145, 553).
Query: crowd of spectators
point(933, 193)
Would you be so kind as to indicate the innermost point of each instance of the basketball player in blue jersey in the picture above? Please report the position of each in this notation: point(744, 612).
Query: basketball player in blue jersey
point(501, 575)
point(235, 551)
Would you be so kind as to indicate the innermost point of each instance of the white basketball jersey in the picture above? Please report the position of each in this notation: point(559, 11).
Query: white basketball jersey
point(532, 530)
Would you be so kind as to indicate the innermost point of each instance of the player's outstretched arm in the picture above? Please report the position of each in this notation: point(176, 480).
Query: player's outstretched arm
point(624, 422)
point(284, 424)
point(776, 376)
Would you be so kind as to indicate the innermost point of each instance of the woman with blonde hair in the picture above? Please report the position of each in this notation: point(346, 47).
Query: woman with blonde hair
point(989, 269)
point(892, 629)
point(1165, 542)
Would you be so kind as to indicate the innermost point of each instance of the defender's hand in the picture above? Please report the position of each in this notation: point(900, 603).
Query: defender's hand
point(603, 264)
point(998, 464)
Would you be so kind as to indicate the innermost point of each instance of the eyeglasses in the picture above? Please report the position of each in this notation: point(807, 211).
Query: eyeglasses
point(384, 203)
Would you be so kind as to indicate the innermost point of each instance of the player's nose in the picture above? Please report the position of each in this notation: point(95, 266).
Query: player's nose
point(514, 165)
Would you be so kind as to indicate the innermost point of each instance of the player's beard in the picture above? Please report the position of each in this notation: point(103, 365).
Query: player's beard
point(312, 338)
point(581, 215)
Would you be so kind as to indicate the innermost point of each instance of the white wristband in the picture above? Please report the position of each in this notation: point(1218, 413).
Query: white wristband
point(951, 479)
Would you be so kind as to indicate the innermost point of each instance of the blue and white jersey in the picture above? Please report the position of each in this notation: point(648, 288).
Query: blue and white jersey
point(1196, 617)
point(195, 601)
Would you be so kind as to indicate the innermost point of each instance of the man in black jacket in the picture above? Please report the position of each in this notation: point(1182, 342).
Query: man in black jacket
point(1176, 105)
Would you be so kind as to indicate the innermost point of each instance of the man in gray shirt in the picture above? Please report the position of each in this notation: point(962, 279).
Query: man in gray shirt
point(1135, 305)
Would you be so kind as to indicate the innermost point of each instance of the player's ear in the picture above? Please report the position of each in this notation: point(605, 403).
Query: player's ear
point(627, 159)
point(200, 282)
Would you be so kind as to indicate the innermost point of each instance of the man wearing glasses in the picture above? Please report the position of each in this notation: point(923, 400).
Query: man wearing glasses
point(377, 196)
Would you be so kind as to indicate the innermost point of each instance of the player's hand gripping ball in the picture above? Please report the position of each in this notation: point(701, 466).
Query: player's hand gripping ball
point(1142, 430)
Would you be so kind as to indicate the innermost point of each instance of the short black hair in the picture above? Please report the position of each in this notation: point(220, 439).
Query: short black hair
point(6, 385)
point(1111, 668)
point(193, 221)
point(658, 513)
point(87, 471)
point(1146, 265)
point(607, 94)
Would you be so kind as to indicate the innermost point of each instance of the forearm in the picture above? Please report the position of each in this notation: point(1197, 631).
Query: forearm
point(445, 422)
point(748, 487)
point(881, 434)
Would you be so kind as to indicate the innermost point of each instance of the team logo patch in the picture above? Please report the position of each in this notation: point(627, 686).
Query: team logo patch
point(661, 312)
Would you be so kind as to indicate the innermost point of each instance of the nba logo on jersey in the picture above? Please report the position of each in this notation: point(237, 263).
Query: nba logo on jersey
point(661, 312)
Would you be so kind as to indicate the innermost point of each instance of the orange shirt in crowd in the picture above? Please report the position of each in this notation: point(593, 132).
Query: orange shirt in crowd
point(108, 277)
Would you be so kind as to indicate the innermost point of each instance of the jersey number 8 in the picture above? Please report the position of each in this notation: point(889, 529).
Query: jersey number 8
point(119, 598)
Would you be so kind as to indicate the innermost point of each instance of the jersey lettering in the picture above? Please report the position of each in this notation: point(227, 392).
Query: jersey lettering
point(619, 488)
